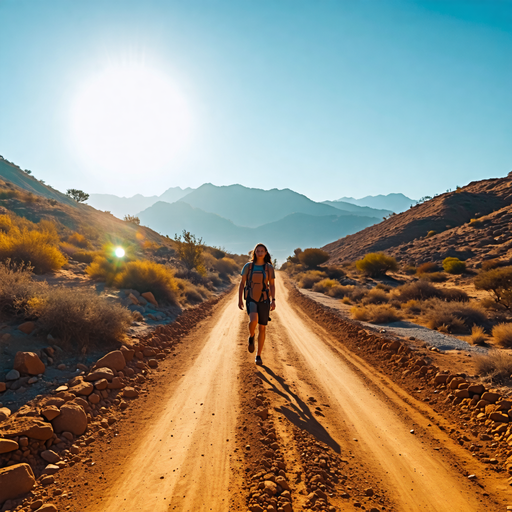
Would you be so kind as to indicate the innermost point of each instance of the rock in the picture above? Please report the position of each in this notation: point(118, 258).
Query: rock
point(47, 507)
point(61, 367)
point(150, 298)
point(133, 299)
point(3, 387)
point(72, 419)
point(32, 380)
point(476, 389)
point(7, 445)
point(28, 362)
point(127, 353)
point(27, 426)
point(130, 392)
point(6, 337)
point(113, 360)
point(5, 412)
point(61, 389)
point(287, 507)
point(47, 480)
point(497, 416)
point(94, 398)
point(51, 469)
point(82, 367)
point(15, 481)
point(454, 383)
point(83, 388)
point(369, 491)
point(491, 397)
point(153, 363)
point(462, 393)
point(99, 374)
point(270, 487)
point(280, 480)
point(12, 375)
point(262, 413)
point(50, 456)
point(27, 327)
point(36, 504)
point(101, 384)
point(56, 401)
point(116, 383)
point(50, 412)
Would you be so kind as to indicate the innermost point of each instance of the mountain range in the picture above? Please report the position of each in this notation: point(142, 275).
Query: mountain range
point(397, 203)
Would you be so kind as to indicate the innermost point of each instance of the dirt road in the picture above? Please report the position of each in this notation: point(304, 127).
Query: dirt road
point(180, 453)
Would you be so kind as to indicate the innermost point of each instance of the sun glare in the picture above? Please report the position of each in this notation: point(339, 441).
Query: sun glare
point(119, 252)
point(130, 120)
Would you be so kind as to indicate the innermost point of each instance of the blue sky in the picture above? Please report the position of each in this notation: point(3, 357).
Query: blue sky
point(329, 98)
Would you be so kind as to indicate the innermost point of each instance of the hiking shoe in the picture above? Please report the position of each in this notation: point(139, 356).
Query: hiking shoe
point(258, 361)
point(251, 344)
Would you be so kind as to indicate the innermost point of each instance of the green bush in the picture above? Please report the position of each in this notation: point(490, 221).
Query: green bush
point(454, 266)
point(325, 285)
point(498, 282)
point(431, 233)
point(189, 249)
point(312, 258)
point(376, 264)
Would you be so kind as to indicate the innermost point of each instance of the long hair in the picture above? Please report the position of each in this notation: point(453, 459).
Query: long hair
point(267, 258)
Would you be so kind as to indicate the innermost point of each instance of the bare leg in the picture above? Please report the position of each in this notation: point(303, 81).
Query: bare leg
point(261, 338)
point(253, 322)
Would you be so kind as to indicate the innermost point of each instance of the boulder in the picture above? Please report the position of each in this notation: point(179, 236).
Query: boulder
point(113, 360)
point(477, 389)
point(500, 417)
point(101, 384)
point(270, 487)
point(116, 383)
point(462, 393)
point(50, 412)
point(127, 353)
point(15, 481)
point(7, 445)
point(3, 387)
point(491, 397)
point(28, 362)
point(150, 298)
point(83, 388)
point(94, 398)
point(26, 426)
point(72, 419)
point(50, 456)
point(130, 392)
point(100, 373)
point(5, 412)
point(27, 327)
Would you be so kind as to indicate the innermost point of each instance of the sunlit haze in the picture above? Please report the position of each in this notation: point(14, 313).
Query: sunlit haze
point(331, 98)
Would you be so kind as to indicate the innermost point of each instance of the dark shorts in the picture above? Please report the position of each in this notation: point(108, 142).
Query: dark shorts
point(262, 308)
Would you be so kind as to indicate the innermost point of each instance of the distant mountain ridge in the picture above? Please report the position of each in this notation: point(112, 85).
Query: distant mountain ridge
point(394, 202)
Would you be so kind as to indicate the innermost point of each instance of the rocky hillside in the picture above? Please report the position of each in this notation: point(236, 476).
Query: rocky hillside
point(472, 223)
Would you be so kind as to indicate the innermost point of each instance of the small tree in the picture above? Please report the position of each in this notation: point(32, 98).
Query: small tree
point(190, 249)
point(132, 219)
point(312, 258)
point(376, 264)
point(498, 282)
point(78, 195)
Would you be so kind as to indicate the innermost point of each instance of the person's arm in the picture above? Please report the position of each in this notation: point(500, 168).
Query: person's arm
point(272, 283)
point(241, 291)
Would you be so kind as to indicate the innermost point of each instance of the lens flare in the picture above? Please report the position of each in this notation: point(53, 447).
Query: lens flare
point(119, 252)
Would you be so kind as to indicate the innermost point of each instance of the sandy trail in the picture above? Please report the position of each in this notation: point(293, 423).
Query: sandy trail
point(183, 460)
point(410, 470)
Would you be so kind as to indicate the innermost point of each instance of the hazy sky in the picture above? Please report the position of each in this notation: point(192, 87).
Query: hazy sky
point(329, 98)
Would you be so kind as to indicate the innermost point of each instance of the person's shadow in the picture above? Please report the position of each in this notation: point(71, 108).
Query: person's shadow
point(298, 412)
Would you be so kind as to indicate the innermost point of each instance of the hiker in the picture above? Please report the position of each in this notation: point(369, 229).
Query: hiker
point(258, 289)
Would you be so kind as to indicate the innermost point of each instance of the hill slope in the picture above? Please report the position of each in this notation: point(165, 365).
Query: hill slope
point(405, 234)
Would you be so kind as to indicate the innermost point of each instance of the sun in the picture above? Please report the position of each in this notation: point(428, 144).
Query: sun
point(119, 252)
point(129, 120)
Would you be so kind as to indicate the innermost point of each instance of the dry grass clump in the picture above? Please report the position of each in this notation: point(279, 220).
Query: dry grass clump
point(226, 266)
point(419, 290)
point(17, 288)
point(84, 256)
point(309, 278)
point(496, 366)
point(78, 240)
point(453, 317)
point(376, 296)
point(80, 319)
point(37, 248)
point(412, 307)
point(478, 335)
point(148, 276)
point(454, 295)
point(376, 314)
point(192, 293)
point(502, 334)
point(105, 269)
point(346, 300)
point(427, 268)
point(376, 264)
point(434, 277)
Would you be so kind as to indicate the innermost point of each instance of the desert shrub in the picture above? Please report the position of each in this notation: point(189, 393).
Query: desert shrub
point(476, 223)
point(412, 307)
point(226, 266)
point(16, 288)
point(79, 319)
point(456, 316)
point(434, 277)
point(9, 194)
point(337, 291)
point(346, 300)
point(189, 249)
point(490, 264)
point(148, 276)
point(496, 366)
point(216, 252)
point(309, 278)
point(382, 286)
point(409, 270)
point(358, 293)
point(477, 335)
point(312, 258)
point(419, 290)
point(454, 295)
point(431, 233)
point(376, 264)
point(37, 248)
point(334, 272)
point(191, 293)
point(84, 256)
point(137, 316)
point(454, 266)
point(498, 282)
point(376, 296)
point(105, 269)
point(376, 314)
point(78, 240)
point(502, 334)
point(214, 279)
point(324, 285)
point(427, 267)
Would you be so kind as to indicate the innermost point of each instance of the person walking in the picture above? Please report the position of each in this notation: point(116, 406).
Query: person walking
point(257, 287)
